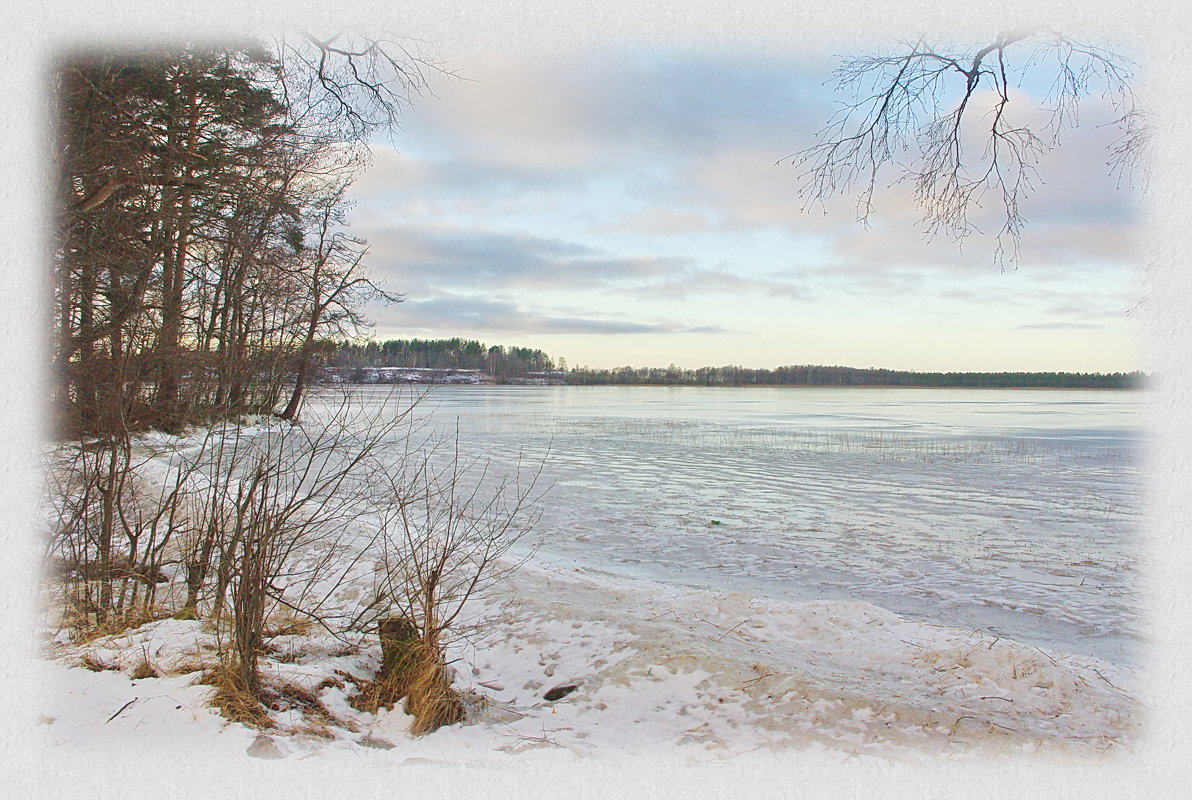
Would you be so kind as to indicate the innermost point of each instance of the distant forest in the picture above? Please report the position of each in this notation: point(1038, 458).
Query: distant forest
point(517, 363)
point(503, 363)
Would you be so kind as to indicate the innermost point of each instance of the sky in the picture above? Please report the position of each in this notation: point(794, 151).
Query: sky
point(626, 204)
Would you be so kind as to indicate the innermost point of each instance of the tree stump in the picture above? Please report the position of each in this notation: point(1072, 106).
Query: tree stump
point(399, 646)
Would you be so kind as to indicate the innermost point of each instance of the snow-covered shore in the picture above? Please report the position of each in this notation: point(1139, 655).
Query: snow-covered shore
point(675, 675)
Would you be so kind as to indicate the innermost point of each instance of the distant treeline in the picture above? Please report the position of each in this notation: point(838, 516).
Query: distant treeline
point(503, 363)
point(849, 376)
point(506, 363)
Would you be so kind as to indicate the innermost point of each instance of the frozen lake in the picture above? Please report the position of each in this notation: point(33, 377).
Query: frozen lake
point(1017, 512)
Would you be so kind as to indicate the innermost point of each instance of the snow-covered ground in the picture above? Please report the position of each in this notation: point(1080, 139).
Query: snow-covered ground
point(767, 590)
point(688, 676)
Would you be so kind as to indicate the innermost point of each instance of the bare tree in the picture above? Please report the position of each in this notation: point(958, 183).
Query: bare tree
point(334, 291)
point(290, 503)
point(940, 119)
point(186, 175)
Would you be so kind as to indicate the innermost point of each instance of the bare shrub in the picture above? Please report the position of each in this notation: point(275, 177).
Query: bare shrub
point(113, 521)
point(289, 513)
point(446, 533)
point(268, 523)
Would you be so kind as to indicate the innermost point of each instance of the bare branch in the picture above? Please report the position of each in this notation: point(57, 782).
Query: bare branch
point(912, 116)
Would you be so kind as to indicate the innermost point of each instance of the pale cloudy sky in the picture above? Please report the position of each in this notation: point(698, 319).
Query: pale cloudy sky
point(621, 204)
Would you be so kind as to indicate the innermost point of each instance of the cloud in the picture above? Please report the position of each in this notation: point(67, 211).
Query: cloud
point(550, 130)
point(424, 257)
point(1088, 305)
point(452, 314)
point(725, 283)
point(742, 186)
point(661, 146)
point(608, 107)
point(1075, 211)
point(404, 182)
point(658, 221)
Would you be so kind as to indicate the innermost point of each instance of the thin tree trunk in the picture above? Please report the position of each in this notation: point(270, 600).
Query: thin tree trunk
point(169, 352)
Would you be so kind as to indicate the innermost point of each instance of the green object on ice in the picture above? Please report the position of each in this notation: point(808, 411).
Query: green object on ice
point(716, 522)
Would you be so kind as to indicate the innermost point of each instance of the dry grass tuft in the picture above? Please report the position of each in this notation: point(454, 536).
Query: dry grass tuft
point(291, 695)
point(431, 699)
point(96, 663)
point(371, 696)
point(85, 629)
point(414, 669)
point(184, 666)
point(314, 729)
point(287, 623)
point(234, 701)
point(328, 683)
point(143, 669)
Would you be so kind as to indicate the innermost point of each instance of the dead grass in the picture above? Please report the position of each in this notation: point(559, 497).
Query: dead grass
point(328, 683)
point(143, 668)
point(197, 657)
point(286, 655)
point(287, 623)
point(371, 696)
point(431, 699)
point(315, 730)
point(417, 672)
point(288, 696)
point(84, 628)
point(185, 666)
point(96, 663)
point(236, 704)
point(234, 701)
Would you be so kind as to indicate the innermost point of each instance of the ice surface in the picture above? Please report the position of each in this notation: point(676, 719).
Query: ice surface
point(961, 507)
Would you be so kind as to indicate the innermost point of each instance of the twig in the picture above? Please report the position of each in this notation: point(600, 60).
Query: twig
point(730, 630)
point(1107, 680)
point(758, 678)
point(126, 705)
point(1049, 658)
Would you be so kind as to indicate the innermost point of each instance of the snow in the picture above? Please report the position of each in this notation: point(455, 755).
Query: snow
point(678, 675)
